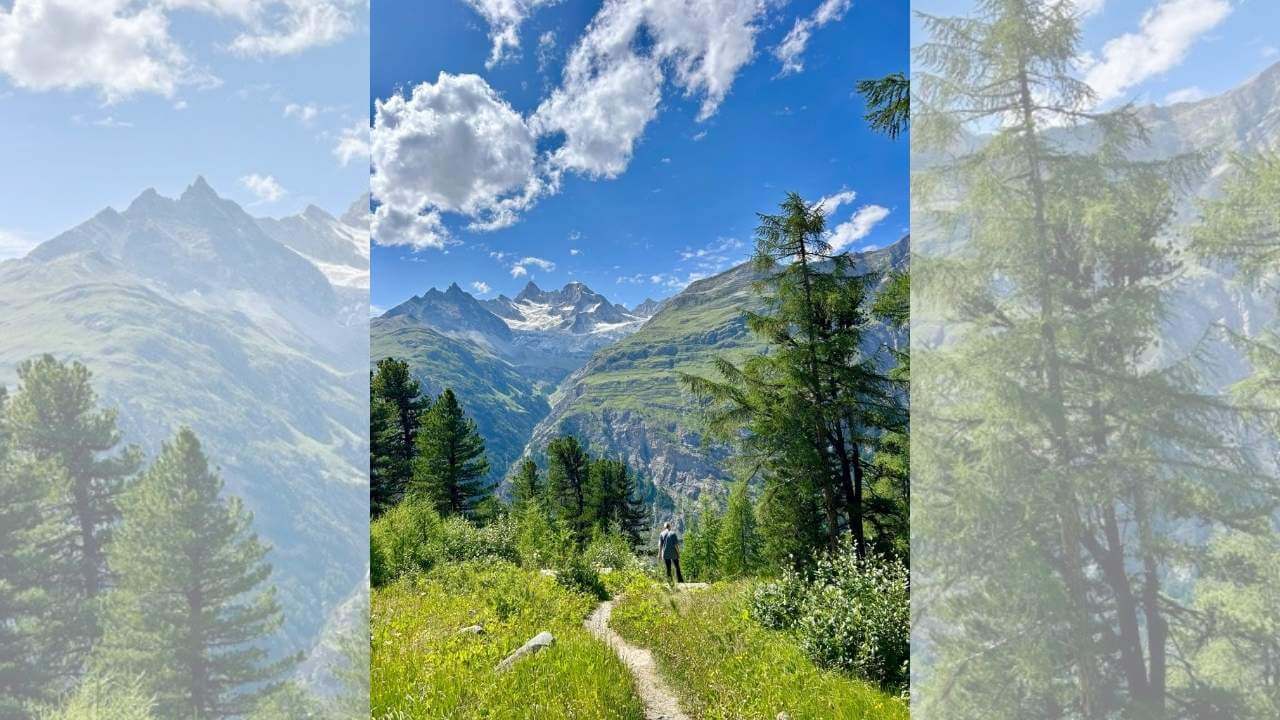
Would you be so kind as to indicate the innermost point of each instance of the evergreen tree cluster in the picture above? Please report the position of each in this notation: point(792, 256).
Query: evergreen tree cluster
point(107, 570)
point(423, 446)
point(428, 448)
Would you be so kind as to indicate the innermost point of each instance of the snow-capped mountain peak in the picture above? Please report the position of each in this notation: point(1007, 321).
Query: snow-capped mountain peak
point(574, 309)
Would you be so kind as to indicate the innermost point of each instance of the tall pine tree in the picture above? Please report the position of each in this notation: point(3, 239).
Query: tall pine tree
point(738, 542)
point(396, 406)
point(568, 476)
point(813, 407)
point(54, 421)
point(450, 466)
point(527, 486)
point(26, 673)
point(192, 606)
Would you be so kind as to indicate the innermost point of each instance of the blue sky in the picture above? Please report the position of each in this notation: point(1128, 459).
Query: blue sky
point(1162, 51)
point(531, 187)
point(150, 94)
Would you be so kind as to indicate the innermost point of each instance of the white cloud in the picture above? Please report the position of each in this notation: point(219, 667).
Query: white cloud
point(1270, 51)
point(831, 203)
point(15, 245)
point(1165, 34)
point(264, 187)
point(418, 230)
point(521, 267)
point(575, 251)
point(453, 146)
point(611, 87)
point(857, 227)
point(505, 18)
point(353, 143)
point(287, 27)
point(180, 105)
point(456, 146)
point(121, 48)
point(112, 46)
point(546, 50)
point(481, 287)
point(790, 50)
point(1188, 94)
point(304, 112)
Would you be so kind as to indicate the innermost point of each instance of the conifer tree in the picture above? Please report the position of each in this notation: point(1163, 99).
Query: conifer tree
point(888, 103)
point(450, 466)
point(815, 405)
point(700, 557)
point(568, 476)
point(1060, 469)
point(398, 403)
point(192, 607)
point(527, 486)
point(383, 437)
point(26, 676)
point(633, 513)
point(54, 421)
point(738, 542)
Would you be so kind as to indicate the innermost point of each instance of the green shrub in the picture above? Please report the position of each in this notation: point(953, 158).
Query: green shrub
point(576, 574)
point(460, 541)
point(401, 541)
point(610, 550)
point(104, 696)
point(540, 542)
point(847, 615)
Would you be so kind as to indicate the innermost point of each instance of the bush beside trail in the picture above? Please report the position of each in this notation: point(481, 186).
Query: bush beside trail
point(846, 615)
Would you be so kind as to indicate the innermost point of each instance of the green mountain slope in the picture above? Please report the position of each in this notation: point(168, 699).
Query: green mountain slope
point(188, 314)
point(505, 403)
point(627, 400)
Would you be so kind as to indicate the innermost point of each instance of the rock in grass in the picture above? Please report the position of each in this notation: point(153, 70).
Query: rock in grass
point(542, 640)
point(472, 630)
point(784, 715)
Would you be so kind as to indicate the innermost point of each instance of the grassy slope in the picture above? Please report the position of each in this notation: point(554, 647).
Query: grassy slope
point(627, 400)
point(422, 668)
point(725, 667)
point(505, 404)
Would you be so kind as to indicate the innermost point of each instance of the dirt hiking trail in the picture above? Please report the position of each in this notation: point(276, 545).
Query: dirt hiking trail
point(660, 703)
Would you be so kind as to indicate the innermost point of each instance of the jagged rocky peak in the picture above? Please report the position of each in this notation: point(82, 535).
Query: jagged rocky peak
point(358, 214)
point(646, 308)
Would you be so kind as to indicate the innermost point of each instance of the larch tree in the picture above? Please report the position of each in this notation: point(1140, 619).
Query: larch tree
point(809, 411)
point(1058, 468)
point(192, 608)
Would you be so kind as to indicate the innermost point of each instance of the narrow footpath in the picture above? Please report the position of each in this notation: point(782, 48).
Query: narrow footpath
point(660, 703)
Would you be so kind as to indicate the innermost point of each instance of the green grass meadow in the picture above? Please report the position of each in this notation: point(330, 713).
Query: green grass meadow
point(724, 666)
point(423, 668)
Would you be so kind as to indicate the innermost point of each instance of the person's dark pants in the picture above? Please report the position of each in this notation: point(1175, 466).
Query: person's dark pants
point(669, 563)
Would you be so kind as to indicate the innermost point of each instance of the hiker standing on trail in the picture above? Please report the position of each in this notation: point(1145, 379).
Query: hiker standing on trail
point(669, 551)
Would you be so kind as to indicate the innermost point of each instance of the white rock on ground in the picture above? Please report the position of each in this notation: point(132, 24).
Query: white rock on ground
point(542, 640)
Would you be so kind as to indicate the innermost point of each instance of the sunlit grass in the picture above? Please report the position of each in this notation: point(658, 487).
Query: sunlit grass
point(422, 667)
point(726, 667)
